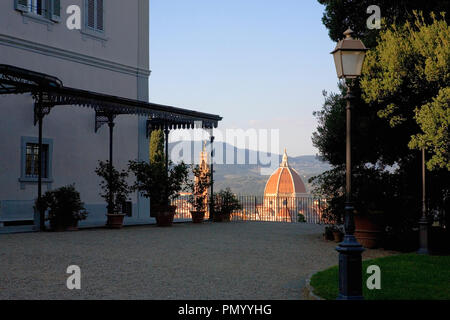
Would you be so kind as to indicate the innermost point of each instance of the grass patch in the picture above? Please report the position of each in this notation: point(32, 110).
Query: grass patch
point(403, 277)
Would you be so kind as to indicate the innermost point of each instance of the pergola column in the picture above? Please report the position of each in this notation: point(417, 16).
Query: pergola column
point(111, 135)
point(166, 140)
point(41, 212)
point(41, 109)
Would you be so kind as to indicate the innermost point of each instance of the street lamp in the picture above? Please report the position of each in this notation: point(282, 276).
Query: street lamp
point(423, 222)
point(348, 58)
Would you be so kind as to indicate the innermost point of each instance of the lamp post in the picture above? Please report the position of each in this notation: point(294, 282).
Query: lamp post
point(423, 222)
point(348, 58)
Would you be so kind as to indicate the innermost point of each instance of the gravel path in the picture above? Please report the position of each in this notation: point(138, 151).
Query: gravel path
point(238, 260)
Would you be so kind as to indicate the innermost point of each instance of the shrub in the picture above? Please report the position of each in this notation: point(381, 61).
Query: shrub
point(301, 218)
point(225, 202)
point(160, 185)
point(113, 185)
point(64, 205)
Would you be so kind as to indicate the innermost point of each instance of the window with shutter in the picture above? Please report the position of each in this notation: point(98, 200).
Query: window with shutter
point(94, 15)
point(49, 9)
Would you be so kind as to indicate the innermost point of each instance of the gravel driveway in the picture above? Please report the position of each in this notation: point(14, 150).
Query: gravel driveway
point(237, 260)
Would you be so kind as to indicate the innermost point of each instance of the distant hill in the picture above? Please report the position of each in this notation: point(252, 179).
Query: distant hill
point(245, 178)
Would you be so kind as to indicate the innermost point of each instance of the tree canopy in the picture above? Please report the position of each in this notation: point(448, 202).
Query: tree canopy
point(340, 14)
point(407, 78)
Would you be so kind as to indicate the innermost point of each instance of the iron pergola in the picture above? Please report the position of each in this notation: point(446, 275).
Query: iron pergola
point(48, 92)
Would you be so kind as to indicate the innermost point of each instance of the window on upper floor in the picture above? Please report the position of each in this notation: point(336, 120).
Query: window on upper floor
point(48, 9)
point(94, 15)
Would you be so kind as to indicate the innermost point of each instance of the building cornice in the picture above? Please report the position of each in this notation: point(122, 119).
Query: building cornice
point(68, 55)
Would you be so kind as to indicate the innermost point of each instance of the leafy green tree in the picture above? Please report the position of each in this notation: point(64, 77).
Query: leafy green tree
point(407, 78)
point(369, 137)
point(157, 146)
point(434, 119)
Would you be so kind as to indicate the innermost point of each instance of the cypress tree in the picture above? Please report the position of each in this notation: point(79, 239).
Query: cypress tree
point(157, 146)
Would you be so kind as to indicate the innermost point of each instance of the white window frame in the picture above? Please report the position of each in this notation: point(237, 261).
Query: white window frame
point(24, 178)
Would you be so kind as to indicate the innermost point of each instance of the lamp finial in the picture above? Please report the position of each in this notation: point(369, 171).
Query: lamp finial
point(348, 33)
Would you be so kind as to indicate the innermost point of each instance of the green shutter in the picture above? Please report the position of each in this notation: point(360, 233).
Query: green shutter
point(56, 10)
point(21, 5)
point(47, 7)
point(90, 13)
point(99, 24)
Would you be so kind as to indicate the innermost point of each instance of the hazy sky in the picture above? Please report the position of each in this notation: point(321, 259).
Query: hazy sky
point(258, 63)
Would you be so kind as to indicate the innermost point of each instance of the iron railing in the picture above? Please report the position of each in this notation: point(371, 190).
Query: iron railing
point(266, 208)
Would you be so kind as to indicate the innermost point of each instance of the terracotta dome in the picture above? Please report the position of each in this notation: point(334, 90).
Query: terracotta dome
point(284, 181)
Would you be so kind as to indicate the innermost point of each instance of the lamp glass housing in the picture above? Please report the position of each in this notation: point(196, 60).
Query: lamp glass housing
point(349, 63)
point(349, 56)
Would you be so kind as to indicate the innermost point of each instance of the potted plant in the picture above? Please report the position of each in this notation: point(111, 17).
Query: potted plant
point(161, 186)
point(225, 202)
point(328, 234)
point(369, 228)
point(338, 233)
point(64, 207)
point(301, 218)
point(198, 198)
point(115, 191)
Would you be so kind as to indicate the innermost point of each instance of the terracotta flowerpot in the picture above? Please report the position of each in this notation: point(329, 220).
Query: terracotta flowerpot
point(58, 226)
point(368, 230)
point(73, 226)
point(198, 216)
point(115, 221)
point(164, 216)
point(328, 234)
point(222, 217)
point(337, 236)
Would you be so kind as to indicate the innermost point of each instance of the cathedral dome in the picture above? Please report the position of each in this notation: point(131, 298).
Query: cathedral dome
point(284, 181)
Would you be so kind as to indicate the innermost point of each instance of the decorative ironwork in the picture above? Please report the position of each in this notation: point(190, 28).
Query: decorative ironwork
point(179, 122)
point(103, 117)
point(42, 106)
point(159, 116)
point(48, 92)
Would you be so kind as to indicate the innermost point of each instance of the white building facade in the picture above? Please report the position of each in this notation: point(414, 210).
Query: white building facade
point(109, 55)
